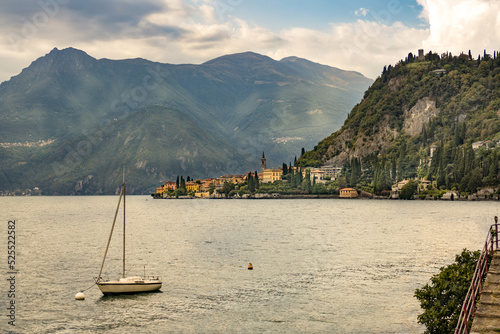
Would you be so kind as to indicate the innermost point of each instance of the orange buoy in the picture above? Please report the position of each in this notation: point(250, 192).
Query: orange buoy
point(250, 267)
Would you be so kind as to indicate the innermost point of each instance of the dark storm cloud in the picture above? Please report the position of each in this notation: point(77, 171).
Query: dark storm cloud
point(114, 12)
point(111, 10)
point(90, 19)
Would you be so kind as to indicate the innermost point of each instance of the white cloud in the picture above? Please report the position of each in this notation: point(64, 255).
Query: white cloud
point(178, 31)
point(460, 25)
point(363, 46)
point(361, 12)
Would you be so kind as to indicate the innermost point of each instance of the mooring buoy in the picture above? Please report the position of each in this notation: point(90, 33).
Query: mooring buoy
point(80, 296)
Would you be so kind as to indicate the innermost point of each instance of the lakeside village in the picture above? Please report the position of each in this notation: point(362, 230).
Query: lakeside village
point(306, 182)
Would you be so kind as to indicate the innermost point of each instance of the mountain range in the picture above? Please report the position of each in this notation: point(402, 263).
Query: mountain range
point(69, 123)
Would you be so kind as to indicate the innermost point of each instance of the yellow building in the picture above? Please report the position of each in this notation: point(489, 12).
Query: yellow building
point(271, 175)
point(192, 186)
point(348, 193)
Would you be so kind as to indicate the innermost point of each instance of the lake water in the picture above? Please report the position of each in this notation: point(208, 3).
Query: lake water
point(320, 266)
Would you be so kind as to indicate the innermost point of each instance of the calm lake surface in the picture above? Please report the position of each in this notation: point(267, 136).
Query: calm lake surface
point(320, 266)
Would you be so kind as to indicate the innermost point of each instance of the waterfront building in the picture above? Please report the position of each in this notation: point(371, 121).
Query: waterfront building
point(348, 193)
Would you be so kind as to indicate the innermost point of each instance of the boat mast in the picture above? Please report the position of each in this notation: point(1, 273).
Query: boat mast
point(124, 192)
point(110, 234)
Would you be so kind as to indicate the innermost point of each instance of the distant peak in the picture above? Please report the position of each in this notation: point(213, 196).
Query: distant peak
point(65, 60)
point(69, 51)
point(245, 56)
point(291, 59)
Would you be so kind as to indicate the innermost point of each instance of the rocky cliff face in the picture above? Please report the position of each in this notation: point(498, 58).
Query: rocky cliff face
point(348, 146)
point(357, 144)
point(419, 115)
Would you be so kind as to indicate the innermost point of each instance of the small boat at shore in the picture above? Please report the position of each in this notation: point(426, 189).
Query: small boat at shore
point(125, 285)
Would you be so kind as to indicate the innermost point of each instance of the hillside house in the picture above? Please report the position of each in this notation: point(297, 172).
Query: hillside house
point(332, 171)
point(424, 185)
point(398, 186)
point(477, 145)
point(318, 175)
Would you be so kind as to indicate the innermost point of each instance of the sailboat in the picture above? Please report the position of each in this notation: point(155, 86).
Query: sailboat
point(125, 285)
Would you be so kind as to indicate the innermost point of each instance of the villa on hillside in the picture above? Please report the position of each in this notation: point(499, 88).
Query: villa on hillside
point(318, 176)
point(397, 187)
point(424, 185)
point(332, 171)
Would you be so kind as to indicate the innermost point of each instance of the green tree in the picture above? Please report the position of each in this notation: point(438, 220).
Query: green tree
point(408, 190)
point(355, 172)
point(381, 180)
point(250, 182)
point(306, 183)
point(227, 187)
point(285, 169)
point(475, 180)
point(442, 299)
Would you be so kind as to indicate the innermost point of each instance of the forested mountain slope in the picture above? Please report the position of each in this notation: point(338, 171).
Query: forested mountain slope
point(438, 106)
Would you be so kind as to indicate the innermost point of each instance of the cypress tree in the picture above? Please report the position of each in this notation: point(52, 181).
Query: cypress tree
point(250, 182)
point(493, 172)
point(285, 169)
point(306, 183)
point(394, 170)
point(457, 135)
point(177, 184)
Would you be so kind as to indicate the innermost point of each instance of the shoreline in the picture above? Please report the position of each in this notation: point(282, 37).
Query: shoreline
point(330, 196)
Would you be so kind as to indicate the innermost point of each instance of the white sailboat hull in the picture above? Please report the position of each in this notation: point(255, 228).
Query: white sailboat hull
point(132, 284)
point(129, 285)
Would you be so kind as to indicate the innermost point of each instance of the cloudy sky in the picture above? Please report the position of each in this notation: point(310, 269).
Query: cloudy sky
point(360, 35)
